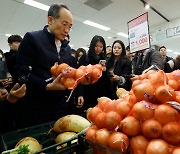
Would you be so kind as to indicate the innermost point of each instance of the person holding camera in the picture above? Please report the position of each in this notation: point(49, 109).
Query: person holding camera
point(96, 55)
point(119, 69)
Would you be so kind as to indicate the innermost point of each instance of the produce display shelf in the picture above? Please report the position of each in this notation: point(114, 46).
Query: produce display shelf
point(79, 147)
point(45, 137)
point(39, 132)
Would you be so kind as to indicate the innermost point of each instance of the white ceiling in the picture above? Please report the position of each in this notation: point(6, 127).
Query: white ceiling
point(18, 18)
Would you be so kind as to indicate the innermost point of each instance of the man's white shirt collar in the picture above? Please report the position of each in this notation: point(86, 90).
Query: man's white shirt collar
point(57, 42)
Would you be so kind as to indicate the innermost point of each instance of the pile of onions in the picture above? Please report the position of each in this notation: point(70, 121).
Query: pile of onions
point(142, 119)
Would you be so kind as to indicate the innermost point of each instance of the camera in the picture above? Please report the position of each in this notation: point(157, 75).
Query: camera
point(23, 79)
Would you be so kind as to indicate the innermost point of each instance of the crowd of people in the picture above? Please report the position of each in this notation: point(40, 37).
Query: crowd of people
point(29, 94)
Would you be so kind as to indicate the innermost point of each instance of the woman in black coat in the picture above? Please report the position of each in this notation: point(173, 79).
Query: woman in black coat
point(118, 68)
point(96, 53)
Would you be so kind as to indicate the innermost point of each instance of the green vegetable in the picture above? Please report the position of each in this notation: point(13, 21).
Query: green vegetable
point(22, 149)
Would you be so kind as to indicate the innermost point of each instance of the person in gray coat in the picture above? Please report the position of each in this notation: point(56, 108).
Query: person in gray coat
point(145, 60)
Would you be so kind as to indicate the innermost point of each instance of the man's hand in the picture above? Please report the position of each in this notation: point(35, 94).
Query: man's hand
point(16, 93)
point(55, 85)
point(80, 102)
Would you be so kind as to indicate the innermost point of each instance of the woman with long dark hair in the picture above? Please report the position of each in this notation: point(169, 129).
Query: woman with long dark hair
point(118, 68)
point(96, 53)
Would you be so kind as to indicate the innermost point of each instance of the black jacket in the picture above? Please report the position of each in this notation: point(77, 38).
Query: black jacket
point(167, 68)
point(121, 68)
point(11, 61)
point(3, 69)
point(38, 50)
point(6, 116)
point(98, 89)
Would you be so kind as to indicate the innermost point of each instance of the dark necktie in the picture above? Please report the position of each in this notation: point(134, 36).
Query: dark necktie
point(140, 59)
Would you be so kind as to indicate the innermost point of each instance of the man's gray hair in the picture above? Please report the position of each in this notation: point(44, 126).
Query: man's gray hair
point(54, 10)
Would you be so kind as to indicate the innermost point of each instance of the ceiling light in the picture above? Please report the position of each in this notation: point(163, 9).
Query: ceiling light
point(37, 5)
point(147, 6)
point(109, 37)
point(123, 34)
point(8, 35)
point(90, 23)
point(145, 3)
point(169, 50)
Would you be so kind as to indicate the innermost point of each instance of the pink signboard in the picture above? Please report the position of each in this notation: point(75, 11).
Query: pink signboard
point(138, 31)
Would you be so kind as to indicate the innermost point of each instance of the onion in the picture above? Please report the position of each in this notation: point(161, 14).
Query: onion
point(53, 69)
point(143, 90)
point(135, 83)
point(173, 84)
point(178, 96)
point(171, 133)
point(80, 75)
point(151, 129)
point(93, 112)
point(170, 76)
point(70, 83)
point(102, 136)
point(130, 126)
point(118, 141)
point(111, 106)
point(102, 101)
point(138, 144)
point(112, 120)
point(165, 114)
point(164, 94)
point(176, 74)
point(143, 110)
point(100, 120)
point(123, 108)
point(90, 134)
point(132, 99)
point(176, 151)
point(69, 72)
point(61, 67)
point(157, 146)
point(158, 79)
point(95, 74)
